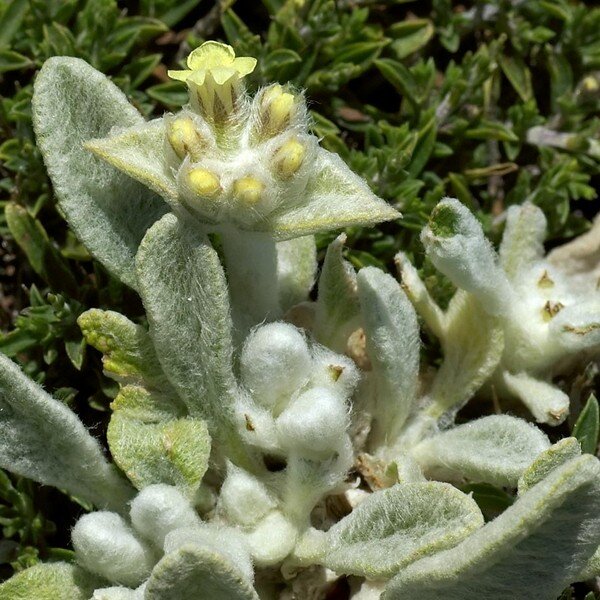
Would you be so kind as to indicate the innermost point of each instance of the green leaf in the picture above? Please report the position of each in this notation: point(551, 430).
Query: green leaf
point(50, 582)
point(172, 94)
point(152, 442)
point(495, 449)
point(108, 211)
point(409, 36)
point(338, 310)
point(42, 439)
point(587, 427)
point(502, 559)
point(280, 65)
point(491, 500)
point(399, 76)
point(392, 338)
point(519, 76)
point(44, 258)
point(396, 526)
point(492, 130)
point(193, 572)
point(11, 19)
point(12, 61)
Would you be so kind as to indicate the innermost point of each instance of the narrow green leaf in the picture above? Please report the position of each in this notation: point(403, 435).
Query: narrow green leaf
point(12, 61)
point(518, 74)
point(409, 36)
point(587, 427)
point(45, 259)
point(10, 20)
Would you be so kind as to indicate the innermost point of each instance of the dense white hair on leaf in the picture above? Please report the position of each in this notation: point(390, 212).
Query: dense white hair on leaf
point(225, 541)
point(456, 245)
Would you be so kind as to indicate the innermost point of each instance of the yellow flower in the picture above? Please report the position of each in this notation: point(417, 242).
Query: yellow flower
point(214, 79)
point(217, 60)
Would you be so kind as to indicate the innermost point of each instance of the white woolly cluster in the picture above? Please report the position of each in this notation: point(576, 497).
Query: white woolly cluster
point(258, 161)
point(548, 307)
point(161, 521)
point(297, 394)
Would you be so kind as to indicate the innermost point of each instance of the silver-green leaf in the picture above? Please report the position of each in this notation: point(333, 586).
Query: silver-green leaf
point(42, 439)
point(397, 526)
point(109, 212)
point(192, 572)
point(502, 560)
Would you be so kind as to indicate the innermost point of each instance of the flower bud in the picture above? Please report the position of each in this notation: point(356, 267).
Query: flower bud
point(243, 498)
point(275, 362)
point(159, 509)
point(184, 138)
point(248, 190)
point(276, 110)
point(104, 544)
point(203, 182)
point(289, 158)
point(314, 425)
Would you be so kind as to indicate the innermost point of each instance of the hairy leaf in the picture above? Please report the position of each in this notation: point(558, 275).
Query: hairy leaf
point(50, 582)
point(42, 439)
point(502, 560)
point(392, 335)
point(108, 211)
point(495, 449)
point(192, 572)
point(397, 526)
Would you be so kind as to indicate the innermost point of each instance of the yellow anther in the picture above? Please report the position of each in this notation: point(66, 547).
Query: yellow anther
point(551, 309)
point(289, 158)
point(184, 138)
point(277, 107)
point(248, 189)
point(545, 281)
point(203, 182)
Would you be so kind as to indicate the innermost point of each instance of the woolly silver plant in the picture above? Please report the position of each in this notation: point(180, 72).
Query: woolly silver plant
point(234, 433)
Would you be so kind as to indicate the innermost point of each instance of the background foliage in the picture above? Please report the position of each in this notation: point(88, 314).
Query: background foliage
point(492, 102)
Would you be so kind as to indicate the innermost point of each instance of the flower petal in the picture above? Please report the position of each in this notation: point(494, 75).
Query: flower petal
point(211, 54)
point(244, 65)
point(179, 75)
